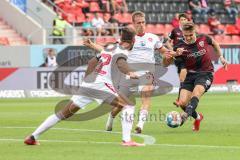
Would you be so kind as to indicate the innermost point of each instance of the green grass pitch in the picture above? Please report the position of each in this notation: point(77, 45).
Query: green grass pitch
point(218, 139)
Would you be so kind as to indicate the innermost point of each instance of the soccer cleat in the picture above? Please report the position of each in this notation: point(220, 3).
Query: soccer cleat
point(109, 124)
point(138, 130)
point(30, 140)
point(132, 144)
point(109, 128)
point(196, 124)
point(176, 103)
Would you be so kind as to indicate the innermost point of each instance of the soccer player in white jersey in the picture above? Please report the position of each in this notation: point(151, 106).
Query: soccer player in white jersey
point(142, 53)
point(100, 89)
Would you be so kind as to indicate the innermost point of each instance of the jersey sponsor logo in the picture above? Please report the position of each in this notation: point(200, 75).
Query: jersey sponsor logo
point(201, 43)
point(197, 54)
point(150, 39)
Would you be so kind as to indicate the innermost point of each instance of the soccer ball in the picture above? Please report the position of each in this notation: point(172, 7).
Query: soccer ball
point(173, 119)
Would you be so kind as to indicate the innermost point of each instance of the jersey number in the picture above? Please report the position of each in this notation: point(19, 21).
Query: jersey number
point(105, 60)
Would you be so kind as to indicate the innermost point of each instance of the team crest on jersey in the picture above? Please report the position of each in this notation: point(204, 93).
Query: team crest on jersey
point(143, 43)
point(150, 39)
point(201, 43)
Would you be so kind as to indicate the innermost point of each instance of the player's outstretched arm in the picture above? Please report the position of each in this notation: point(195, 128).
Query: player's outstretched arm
point(124, 68)
point(169, 55)
point(219, 54)
point(94, 46)
point(92, 63)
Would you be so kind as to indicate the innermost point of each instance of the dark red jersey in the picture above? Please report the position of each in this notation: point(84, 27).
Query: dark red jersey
point(176, 35)
point(197, 58)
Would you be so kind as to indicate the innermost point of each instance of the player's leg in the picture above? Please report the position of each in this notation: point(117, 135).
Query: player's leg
point(202, 84)
point(125, 93)
point(146, 93)
point(190, 110)
point(127, 119)
point(72, 107)
point(182, 76)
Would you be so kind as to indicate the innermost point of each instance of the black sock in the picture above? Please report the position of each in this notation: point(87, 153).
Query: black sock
point(194, 115)
point(192, 105)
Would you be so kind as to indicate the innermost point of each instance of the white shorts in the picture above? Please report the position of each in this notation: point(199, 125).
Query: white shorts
point(99, 92)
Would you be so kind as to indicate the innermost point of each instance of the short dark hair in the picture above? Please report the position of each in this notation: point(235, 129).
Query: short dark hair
point(189, 26)
point(128, 34)
point(182, 15)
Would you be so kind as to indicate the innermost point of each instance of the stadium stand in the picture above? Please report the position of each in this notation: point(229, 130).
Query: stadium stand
point(9, 36)
point(159, 14)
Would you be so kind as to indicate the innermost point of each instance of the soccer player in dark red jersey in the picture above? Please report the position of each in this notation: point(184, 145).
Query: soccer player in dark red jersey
point(196, 58)
point(175, 37)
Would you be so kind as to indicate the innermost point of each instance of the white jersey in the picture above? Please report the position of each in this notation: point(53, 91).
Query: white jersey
point(107, 66)
point(51, 61)
point(144, 47)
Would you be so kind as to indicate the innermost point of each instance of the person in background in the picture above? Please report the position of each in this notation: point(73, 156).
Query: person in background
point(231, 9)
point(98, 23)
point(51, 60)
point(87, 27)
point(214, 24)
point(175, 21)
point(59, 29)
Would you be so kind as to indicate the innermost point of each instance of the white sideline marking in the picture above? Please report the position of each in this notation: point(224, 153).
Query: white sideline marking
point(115, 143)
point(149, 140)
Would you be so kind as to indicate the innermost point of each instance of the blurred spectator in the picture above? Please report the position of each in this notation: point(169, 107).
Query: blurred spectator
point(176, 34)
point(59, 27)
point(200, 7)
point(175, 21)
point(98, 22)
point(105, 5)
point(51, 60)
point(214, 24)
point(119, 6)
point(238, 22)
point(110, 24)
point(87, 27)
point(63, 4)
point(237, 2)
point(82, 4)
point(114, 22)
point(231, 9)
point(189, 15)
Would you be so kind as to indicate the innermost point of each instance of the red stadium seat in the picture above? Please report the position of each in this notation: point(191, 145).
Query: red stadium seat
point(203, 28)
point(227, 39)
point(80, 18)
point(126, 18)
point(71, 18)
point(110, 40)
point(150, 28)
point(159, 29)
point(231, 29)
point(219, 38)
point(100, 40)
point(235, 39)
point(4, 41)
point(168, 29)
point(94, 7)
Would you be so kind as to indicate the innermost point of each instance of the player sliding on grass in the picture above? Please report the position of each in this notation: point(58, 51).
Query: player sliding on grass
point(197, 60)
point(100, 89)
